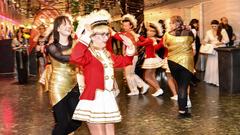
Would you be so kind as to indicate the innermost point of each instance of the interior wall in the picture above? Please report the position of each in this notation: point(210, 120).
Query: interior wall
point(204, 10)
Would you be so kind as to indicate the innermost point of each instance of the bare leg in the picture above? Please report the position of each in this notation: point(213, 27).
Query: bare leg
point(188, 90)
point(189, 103)
point(96, 129)
point(149, 76)
point(110, 129)
point(129, 74)
point(172, 84)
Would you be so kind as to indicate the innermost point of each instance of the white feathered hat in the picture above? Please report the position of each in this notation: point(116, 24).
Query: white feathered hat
point(156, 26)
point(101, 17)
point(131, 18)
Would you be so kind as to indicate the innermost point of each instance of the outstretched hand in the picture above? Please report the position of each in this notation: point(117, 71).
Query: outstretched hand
point(127, 41)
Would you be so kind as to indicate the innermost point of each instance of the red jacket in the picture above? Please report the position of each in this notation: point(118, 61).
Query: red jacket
point(93, 69)
point(150, 48)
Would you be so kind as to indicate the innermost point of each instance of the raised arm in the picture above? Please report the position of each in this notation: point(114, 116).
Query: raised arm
point(80, 55)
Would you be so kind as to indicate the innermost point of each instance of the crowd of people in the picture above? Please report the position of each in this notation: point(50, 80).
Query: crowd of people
point(68, 63)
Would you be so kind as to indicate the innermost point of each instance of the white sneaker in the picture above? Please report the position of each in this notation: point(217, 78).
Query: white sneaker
point(189, 104)
point(174, 97)
point(145, 89)
point(133, 93)
point(158, 93)
point(158, 78)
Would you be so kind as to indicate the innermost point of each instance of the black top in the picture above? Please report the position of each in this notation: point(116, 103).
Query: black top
point(55, 50)
point(229, 30)
point(181, 32)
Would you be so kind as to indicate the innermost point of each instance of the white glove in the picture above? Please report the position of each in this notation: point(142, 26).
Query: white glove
point(130, 50)
point(85, 37)
point(83, 31)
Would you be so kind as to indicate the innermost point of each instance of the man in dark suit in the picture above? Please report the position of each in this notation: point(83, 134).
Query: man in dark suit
point(224, 24)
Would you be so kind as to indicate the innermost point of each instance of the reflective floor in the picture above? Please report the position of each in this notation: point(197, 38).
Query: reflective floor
point(25, 110)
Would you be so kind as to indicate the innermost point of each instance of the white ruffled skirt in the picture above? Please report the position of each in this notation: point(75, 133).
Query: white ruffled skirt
point(103, 109)
point(151, 63)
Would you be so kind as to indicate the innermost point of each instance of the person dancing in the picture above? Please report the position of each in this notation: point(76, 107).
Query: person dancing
point(134, 81)
point(97, 105)
point(63, 91)
point(152, 61)
point(179, 41)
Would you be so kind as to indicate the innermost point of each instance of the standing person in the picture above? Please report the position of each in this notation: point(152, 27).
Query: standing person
point(20, 47)
point(134, 81)
point(179, 41)
point(152, 61)
point(162, 53)
point(217, 37)
point(63, 92)
point(224, 24)
point(194, 24)
point(33, 62)
point(40, 56)
point(97, 105)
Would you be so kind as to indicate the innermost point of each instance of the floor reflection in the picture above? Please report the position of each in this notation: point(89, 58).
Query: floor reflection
point(25, 110)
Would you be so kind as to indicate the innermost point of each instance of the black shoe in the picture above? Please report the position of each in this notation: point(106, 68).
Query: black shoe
point(184, 115)
point(192, 83)
point(195, 79)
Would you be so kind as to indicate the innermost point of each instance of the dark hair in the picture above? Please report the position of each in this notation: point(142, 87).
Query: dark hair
point(56, 24)
point(219, 34)
point(192, 22)
point(41, 37)
point(19, 30)
point(127, 20)
point(154, 27)
point(163, 25)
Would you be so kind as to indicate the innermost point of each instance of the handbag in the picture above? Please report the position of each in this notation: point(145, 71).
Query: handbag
point(207, 49)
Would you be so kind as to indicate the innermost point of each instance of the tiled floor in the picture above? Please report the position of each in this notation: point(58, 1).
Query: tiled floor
point(25, 110)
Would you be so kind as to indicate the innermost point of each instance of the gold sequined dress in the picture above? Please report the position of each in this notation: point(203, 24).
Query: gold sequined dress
point(63, 76)
point(180, 50)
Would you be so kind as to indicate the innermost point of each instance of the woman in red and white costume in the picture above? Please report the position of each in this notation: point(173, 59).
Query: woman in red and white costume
point(97, 105)
point(133, 80)
point(152, 61)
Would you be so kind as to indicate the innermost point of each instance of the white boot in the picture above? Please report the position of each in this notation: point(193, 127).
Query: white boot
point(189, 104)
point(145, 88)
point(175, 97)
point(158, 93)
point(133, 93)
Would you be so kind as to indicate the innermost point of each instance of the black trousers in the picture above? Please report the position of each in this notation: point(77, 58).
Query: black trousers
point(22, 66)
point(33, 70)
point(182, 77)
point(63, 112)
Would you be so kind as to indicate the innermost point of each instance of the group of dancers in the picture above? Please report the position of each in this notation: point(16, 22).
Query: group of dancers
point(81, 82)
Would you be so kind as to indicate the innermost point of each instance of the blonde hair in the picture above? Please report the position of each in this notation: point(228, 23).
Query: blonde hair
point(100, 29)
point(177, 20)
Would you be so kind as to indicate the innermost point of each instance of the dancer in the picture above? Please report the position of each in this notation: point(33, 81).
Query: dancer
point(134, 81)
point(63, 91)
point(152, 61)
point(97, 105)
point(162, 53)
point(179, 41)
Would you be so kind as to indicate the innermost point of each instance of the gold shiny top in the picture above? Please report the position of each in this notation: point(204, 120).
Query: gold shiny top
point(180, 50)
point(62, 80)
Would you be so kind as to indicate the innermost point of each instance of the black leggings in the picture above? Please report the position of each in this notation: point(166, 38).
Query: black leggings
point(63, 112)
point(22, 66)
point(182, 77)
